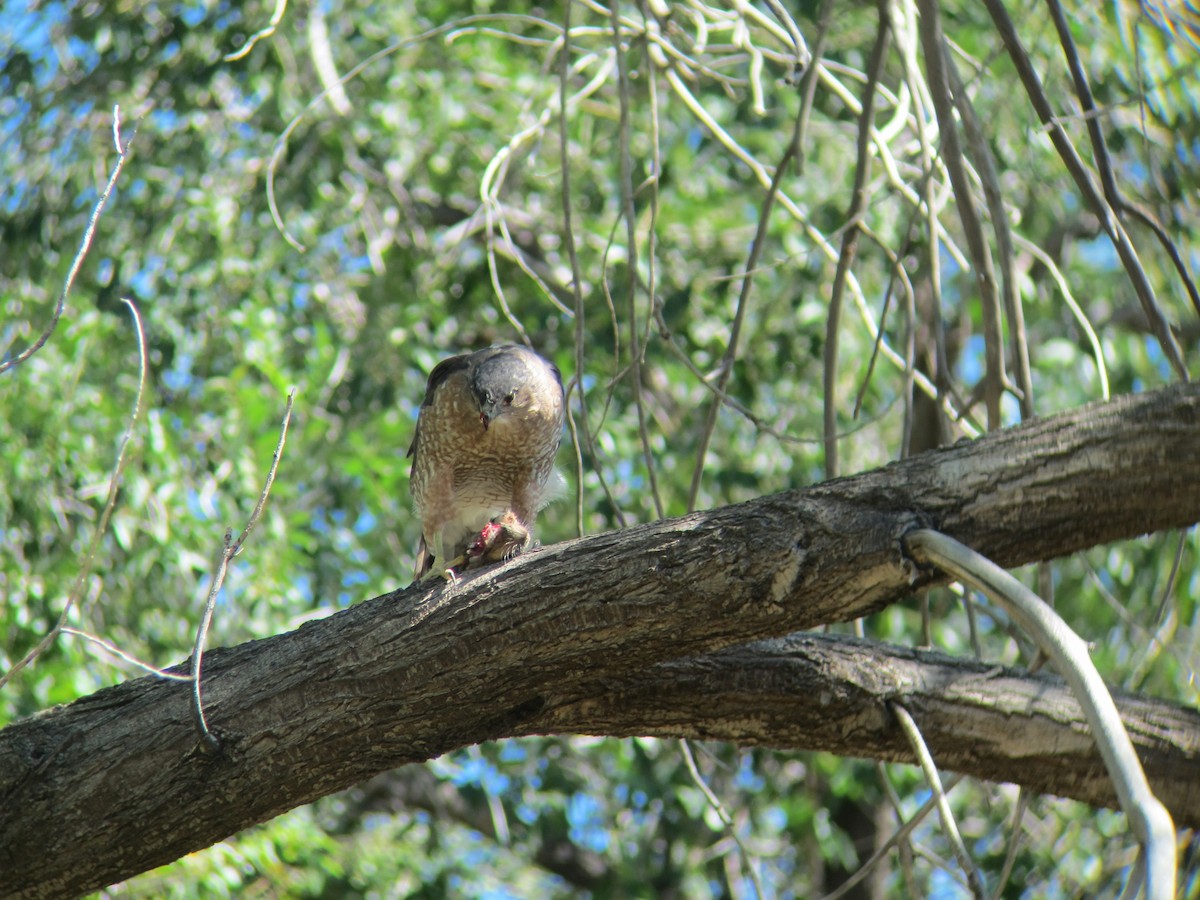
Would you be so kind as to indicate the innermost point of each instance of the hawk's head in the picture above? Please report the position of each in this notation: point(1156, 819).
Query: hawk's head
point(512, 385)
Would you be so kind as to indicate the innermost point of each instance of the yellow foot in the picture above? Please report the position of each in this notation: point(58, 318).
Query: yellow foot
point(445, 572)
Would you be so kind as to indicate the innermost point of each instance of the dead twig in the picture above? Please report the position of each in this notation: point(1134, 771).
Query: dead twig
point(231, 549)
point(84, 246)
point(1087, 187)
point(114, 483)
point(845, 259)
point(1108, 180)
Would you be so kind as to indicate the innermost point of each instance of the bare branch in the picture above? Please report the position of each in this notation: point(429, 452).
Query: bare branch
point(1108, 179)
point(84, 246)
point(937, 62)
point(261, 34)
point(232, 548)
point(925, 759)
point(114, 483)
point(725, 369)
point(631, 257)
point(1087, 187)
point(715, 802)
point(120, 654)
point(845, 258)
point(985, 165)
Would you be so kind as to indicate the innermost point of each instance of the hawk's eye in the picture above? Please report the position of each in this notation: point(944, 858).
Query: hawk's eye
point(509, 398)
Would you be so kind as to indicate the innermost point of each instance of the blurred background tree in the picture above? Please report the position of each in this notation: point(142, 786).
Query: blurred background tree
point(373, 186)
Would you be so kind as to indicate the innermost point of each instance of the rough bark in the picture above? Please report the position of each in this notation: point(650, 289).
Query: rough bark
point(827, 692)
point(117, 783)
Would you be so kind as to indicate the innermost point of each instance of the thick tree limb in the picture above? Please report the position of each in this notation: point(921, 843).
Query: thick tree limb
point(828, 692)
point(824, 692)
point(117, 782)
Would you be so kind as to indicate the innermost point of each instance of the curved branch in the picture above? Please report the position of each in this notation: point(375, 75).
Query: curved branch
point(934, 780)
point(110, 503)
point(85, 244)
point(1149, 818)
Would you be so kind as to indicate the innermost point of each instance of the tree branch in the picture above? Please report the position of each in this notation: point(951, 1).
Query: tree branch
point(830, 692)
point(116, 783)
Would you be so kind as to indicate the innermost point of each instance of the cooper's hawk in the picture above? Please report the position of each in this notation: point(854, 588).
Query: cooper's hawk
point(483, 456)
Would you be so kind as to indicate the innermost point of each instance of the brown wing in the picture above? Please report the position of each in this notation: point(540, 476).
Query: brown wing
point(440, 373)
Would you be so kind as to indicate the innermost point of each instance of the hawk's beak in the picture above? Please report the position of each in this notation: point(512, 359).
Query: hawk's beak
point(483, 417)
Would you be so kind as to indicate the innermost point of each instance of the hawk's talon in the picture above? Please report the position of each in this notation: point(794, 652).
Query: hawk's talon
point(446, 572)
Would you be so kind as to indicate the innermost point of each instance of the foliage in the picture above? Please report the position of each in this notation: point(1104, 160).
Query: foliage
point(429, 200)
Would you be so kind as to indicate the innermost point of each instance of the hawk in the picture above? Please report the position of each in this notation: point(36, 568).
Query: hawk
point(483, 456)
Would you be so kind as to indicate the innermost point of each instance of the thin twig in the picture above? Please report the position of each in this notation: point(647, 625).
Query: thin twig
point(281, 142)
point(916, 86)
point(904, 31)
point(577, 290)
point(513, 251)
point(652, 182)
point(910, 367)
point(1014, 842)
point(261, 34)
point(84, 245)
point(1150, 820)
point(1137, 875)
point(1139, 636)
point(808, 83)
point(1169, 587)
point(727, 360)
point(803, 57)
point(576, 284)
point(230, 549)
point(904, 848)
point(845, 260)
point(121, 654)
point(972, 624)
point(814, 234)
point(898, 837)
point(575, 385)
point(719, 808)
point(1087, 187)
point(937, 62)
point(898, 272)
point(989, 178)
point(631, 261)
point(706, 381)
point(949, 826)
point(114, 483)
point(1064, 288)
point(494, 275)
point(495, 174)
point(1108, 179)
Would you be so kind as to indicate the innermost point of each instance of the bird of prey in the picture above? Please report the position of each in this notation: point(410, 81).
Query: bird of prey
point(483, 456)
